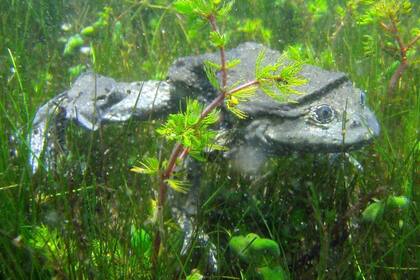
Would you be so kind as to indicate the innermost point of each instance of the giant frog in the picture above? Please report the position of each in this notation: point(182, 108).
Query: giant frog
point(329, 116)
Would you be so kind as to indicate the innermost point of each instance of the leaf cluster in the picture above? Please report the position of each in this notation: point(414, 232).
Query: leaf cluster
point(384, 10)
point(211, 68)
point(279, 80)
point(318, 8)
point(260, 254)
point(388, 15)
point(375, 211)
point(149, 165)
point(218, 40)
point(203, 8)
point(77, 40)
point(236, 97)
point(190, 129)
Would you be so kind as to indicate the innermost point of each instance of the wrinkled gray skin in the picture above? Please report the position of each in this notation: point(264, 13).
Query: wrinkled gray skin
point(311, 122)
point(93, 101)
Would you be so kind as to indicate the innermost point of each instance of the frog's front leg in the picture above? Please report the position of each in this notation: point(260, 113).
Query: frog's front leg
point(184, 209)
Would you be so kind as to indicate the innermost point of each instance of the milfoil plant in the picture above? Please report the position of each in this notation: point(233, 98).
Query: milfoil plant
point(396, 39)
point(190, 130)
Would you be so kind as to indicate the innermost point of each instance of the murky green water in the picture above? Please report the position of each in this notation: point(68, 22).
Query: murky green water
point(90, 217)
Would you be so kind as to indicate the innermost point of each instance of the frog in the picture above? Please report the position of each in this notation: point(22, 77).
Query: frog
point(328, 114)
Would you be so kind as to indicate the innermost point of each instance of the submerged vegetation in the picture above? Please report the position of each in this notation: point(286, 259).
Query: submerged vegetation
point(310, 218)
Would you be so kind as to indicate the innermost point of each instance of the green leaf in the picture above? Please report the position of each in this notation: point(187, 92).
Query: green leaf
point(377, 11)
point(268, 90)
point(218, 39)
point(149, 166)
point(390, 70)
point(184, 7)
point(187, 129)
point(245, 93)
point(195, 275)
point(231, 104)
point(225, 9)
point(272, 273)
point(76, 70)
point(368, 45)
point(73, 43)
point(87, 31)
point(48, 241)
point(232, 63)
point(178, 185)
point(210, 70)
point(400, 202)
point(282, 75)
point(216, 147)
point(195, 8)
point(373, 212)
point(253, 249)
point(235, 97)
point(211, 118)
point(216, 66)
point(258, 64)
point(141, 241)
point(318, 8)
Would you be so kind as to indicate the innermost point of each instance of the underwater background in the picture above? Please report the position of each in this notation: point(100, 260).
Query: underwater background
point(90, 217)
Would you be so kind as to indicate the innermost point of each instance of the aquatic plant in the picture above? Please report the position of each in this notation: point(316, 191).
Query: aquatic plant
point(260, 254)
point(277, 205)
point(388, 15)
point(190, 130)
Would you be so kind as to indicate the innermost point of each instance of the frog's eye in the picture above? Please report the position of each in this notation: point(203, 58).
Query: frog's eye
point(323, 114)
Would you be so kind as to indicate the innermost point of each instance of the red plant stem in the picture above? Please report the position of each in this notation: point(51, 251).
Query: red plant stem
point(163, 187)
point(180, 152)
point(396, 76)
point(403, 48)
point(220, 98)
point(172, 160)
point(217, 102)
point(243, 86)
point(401, 45)
point(385, 27)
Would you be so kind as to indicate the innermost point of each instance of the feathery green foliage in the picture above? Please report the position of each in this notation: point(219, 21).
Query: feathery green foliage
point(236, 97)
point(394, 38)
point(282, 75)
point(190, 130)
point(384, 10)
point(211, 68)
point(203, 8)
point(178, 185)
point(149, 166)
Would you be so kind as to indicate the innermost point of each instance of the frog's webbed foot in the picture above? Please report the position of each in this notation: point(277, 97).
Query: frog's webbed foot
point(47, 137)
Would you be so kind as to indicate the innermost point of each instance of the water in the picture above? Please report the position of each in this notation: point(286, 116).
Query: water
point(78, 215)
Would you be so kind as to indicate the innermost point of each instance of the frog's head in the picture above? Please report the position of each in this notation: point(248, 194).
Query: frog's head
point(332, 118)
point(330, 114)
